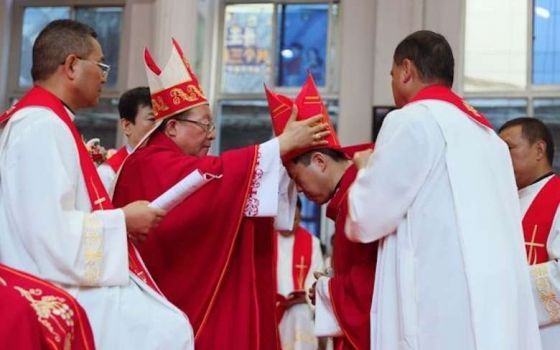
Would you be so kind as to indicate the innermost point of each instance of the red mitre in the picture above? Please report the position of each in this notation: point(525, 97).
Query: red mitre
point(309, 104)
point(174, 88)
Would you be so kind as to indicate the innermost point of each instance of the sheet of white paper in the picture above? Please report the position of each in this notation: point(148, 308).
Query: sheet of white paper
point(182, 189)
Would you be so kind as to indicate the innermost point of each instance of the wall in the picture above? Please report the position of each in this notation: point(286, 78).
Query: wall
point(365, 64)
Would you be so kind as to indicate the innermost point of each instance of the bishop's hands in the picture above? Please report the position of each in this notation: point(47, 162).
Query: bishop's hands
point(140, 219)
point(361, 158)
point(304, 133)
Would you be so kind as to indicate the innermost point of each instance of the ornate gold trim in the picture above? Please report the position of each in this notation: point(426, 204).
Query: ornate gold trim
point(93, 248)
point(546, 293)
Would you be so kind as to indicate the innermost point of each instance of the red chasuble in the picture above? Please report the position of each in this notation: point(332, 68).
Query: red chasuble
point(538, 221)
point(38, 315)
point(99, 199)
point(351, 288)
point(210, 260)
point(117, 159)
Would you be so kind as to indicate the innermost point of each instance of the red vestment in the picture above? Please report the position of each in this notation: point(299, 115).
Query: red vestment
point(351, 288)
point(538, 220)
point(210, 260)
point(38, 315)
point(117, 159)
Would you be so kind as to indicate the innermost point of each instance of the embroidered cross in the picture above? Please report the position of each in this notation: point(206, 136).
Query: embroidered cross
point(300, 267)
point(532, 256)
point(99, 199)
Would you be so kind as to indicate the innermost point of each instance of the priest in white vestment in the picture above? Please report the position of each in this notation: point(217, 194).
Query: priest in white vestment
point(296, 325)
point(439, 193)
point(48, 226)
point(532, 152)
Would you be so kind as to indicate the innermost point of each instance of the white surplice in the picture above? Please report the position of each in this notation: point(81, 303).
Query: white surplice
point(296, 326)
point(273, 193)
point(439, 193)
point(545, 277)
point(47, 229)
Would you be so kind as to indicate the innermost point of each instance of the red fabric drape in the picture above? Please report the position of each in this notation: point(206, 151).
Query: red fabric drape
point(209, 260)
point(351, 288)
point(538, 220)
point(38, 315)
point(117, 159)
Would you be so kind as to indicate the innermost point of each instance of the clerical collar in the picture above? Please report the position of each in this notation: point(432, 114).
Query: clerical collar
point(541, 178)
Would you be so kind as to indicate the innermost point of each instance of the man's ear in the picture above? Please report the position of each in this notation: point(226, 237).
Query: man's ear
point(320, 160)
point(126, 126)
point(69, 66)
point(171, 128)
point(540, 145)
point(408, 70)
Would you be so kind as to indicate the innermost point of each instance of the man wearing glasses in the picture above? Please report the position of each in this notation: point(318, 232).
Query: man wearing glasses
point(56, 219)
point(213, 255)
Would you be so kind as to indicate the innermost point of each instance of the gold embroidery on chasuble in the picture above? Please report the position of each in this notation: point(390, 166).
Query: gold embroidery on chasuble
point(546, 292)
point(93, 248)
point(52, 312)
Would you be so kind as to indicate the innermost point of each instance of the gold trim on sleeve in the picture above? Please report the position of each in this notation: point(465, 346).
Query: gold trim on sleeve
point(546, 293)
point(93, 248)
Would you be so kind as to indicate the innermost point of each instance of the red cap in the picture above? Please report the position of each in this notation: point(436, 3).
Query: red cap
point(309, 104)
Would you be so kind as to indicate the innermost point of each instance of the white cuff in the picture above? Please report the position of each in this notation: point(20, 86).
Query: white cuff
point(326, 324)
point(113, 248)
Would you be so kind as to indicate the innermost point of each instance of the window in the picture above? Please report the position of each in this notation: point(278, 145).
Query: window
point(274, 42)
point(303, 43)
point(546, 47)
point(498, 111)
point(513, 70)
point(106, 19)
point(277, 44)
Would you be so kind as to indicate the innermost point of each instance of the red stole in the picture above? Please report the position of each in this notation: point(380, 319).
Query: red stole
point(443, 93)
point(301, 263)
point(210, 260)
point(538, 221)
point(301, 259)
point(351, 288)
point(99, 199)
point(38, 315)
point(117, 159)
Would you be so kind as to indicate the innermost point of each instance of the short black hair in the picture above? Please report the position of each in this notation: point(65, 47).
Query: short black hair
point(55, 42)
point(305, 158)
point(431, 55)
point(132, 100)
point(533, 130)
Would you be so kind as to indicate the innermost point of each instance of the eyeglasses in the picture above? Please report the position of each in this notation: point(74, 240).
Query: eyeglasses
point(208, 127)
point(105, 68)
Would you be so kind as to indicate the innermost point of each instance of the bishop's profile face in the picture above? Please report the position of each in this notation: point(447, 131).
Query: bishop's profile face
point(193, 131)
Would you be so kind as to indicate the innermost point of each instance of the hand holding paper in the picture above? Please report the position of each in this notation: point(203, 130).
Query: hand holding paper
point(182, 189)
